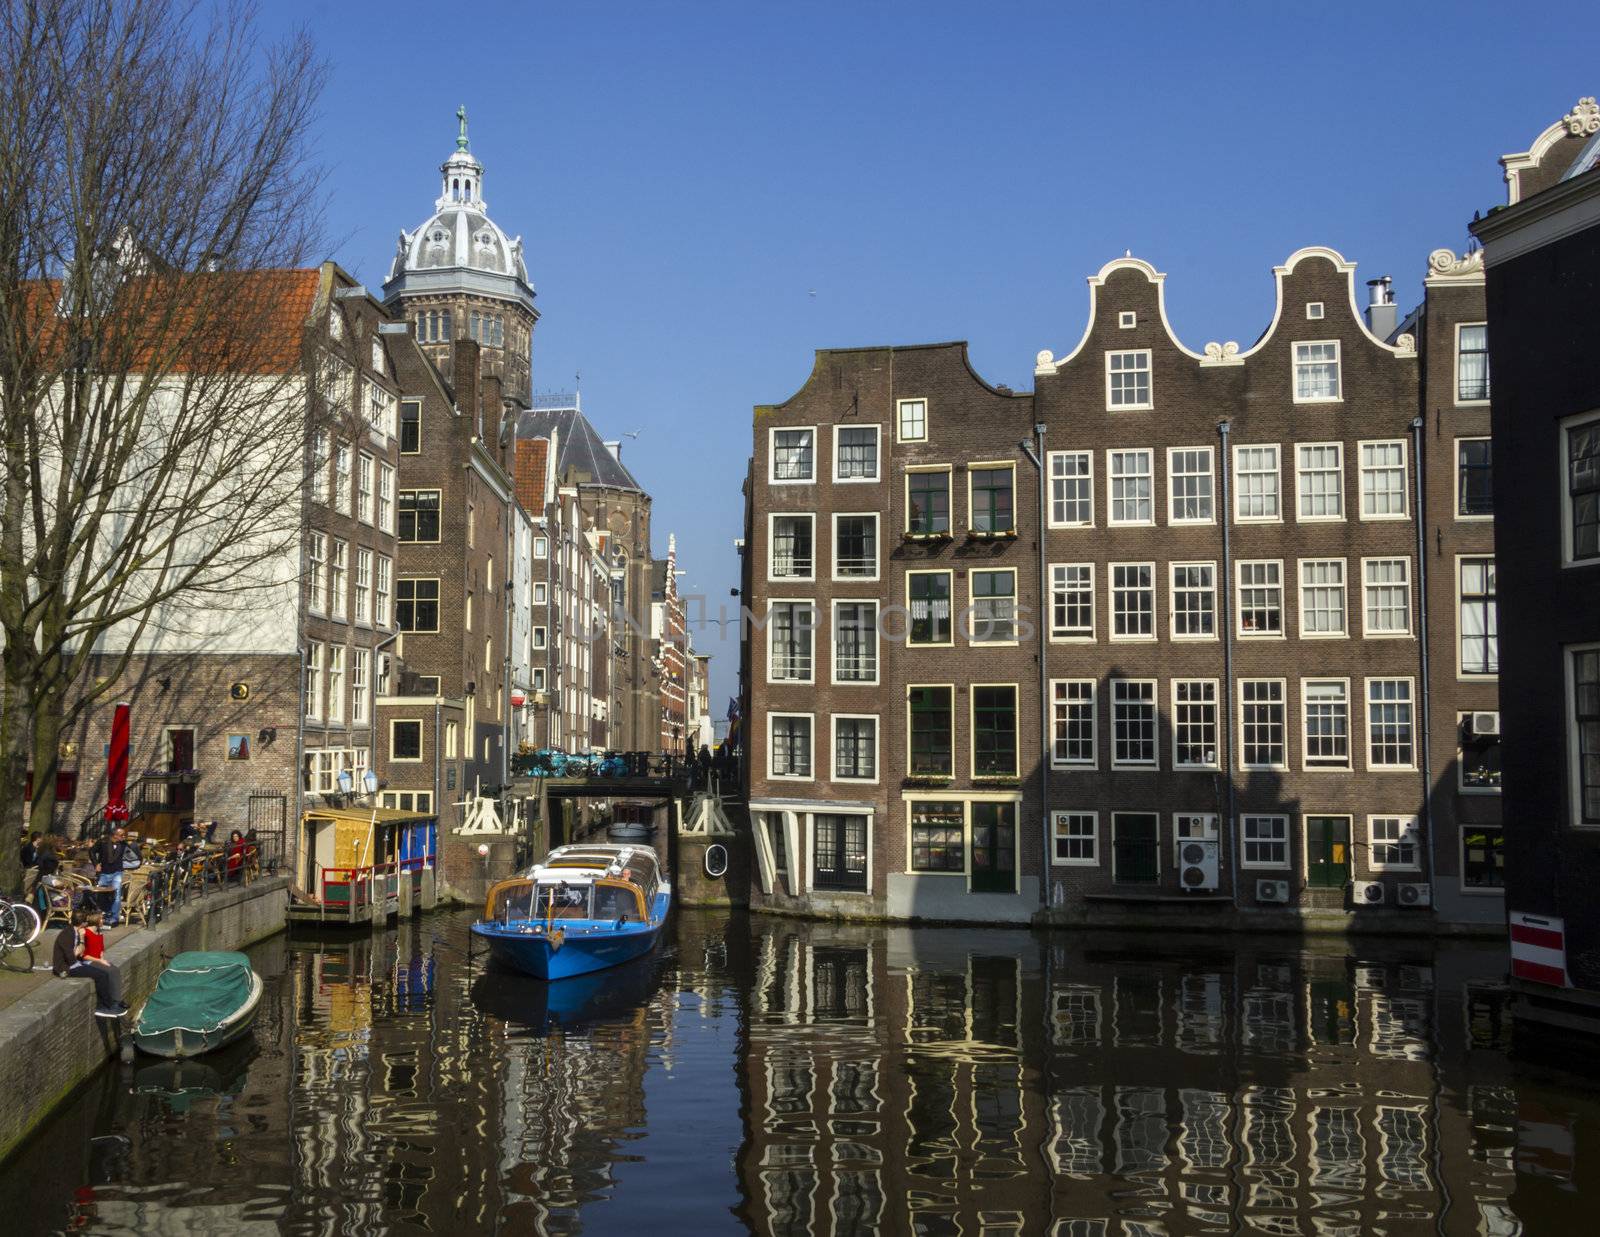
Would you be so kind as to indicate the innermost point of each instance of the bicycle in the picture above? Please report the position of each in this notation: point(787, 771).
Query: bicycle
point(20, 927)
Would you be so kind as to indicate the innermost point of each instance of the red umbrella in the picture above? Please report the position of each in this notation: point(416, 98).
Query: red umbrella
point(117, 767)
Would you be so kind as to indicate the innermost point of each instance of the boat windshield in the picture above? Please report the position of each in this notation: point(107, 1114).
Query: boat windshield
point(563, 901)
point(616, 901)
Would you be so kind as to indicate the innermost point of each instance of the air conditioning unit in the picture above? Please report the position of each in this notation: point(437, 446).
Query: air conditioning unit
point(1413, 894)
point(1197, 864)
point(1485, 724)
point(1272, 891)
point(1368, 893)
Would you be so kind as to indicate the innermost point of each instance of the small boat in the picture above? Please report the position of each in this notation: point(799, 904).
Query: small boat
point(583, 908)
point(201, 1002)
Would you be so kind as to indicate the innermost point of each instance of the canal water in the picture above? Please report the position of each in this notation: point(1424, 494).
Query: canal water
point(777, 1077)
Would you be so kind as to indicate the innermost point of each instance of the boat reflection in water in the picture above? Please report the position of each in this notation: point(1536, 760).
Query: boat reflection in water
point(181, 1081)
point(536, 1006)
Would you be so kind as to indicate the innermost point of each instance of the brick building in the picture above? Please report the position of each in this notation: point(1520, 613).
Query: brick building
point(669, 629)
point(1221, 609)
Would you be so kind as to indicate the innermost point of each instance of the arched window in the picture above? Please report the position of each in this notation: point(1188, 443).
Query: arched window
point(472, 325)
point(421, 327)
point(445, 333)
point(499, 331)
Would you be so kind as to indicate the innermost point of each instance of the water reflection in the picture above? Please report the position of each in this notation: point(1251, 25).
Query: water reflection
point(785, 1078)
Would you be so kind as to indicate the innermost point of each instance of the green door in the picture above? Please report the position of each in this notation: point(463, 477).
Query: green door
point(1327, 852)
point(994, 847)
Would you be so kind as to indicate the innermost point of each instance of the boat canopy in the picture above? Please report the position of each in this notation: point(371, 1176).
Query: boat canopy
point(580, 882)
point(197, 992)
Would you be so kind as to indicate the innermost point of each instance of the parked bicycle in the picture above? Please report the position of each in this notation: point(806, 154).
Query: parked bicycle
point(20, 927)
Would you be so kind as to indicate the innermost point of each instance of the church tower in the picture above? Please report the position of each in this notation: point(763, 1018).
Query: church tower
point(458, 276)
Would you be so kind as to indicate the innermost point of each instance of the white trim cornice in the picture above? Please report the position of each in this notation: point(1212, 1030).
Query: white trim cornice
point(1560, 211)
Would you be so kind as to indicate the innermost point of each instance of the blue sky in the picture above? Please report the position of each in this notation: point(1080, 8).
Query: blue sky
point(707, 192)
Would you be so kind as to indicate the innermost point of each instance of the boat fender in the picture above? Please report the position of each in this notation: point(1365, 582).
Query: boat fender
point(716, 860)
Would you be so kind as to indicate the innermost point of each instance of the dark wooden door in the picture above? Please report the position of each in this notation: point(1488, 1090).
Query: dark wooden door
point(994, 847)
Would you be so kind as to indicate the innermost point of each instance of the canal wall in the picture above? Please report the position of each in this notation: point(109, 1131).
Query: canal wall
point(50, 1040)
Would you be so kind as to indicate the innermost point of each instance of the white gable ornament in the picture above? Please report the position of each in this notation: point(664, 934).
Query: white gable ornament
point(1584, 119)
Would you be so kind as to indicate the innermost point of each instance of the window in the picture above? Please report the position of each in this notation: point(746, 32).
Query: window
point(410, 427)
point(452, 740)
point(1582, 495)
point(313, 682)
point(938, 837)
point(1389, 728)
point(541, 547)
point(793, 455)
point(855, 453)
point(540, 593)
point(339, 580)
point(1074, 839)
point(385, 498)
point(363, 586)
point(1127, 319)
point(1316, 372)
point(1255, 472)
point(1478, 755)
point(1260, 598)
point(1393, 843)
point(380, 605)
point(1135, 848)
point(1194, 601)
point(343, 463)
point(417, 605)
point(318, 554)
point(912, 419)
point(471, 526)
point(1133, 722)
point(1319, 480)
point(855, 547)
point(1263, 741)
point(1583, 737)
point(540, 638)
point(1189, 485)
point(1128, 379)
point(360, 685)
point(994, 731)
point(855, 642)
point(405, 740)
point(1483, 859)
point(994, 607)
point(790, 754)
point(989, 491)
point(791, 632)
point(928, 502)
point(928, 595)
point(792, 552)
point(1072, 601)
point(1265, 841)
point(931, 731)
point(1191, 827)
point(1322, 607)
point(1387, 589)
point(419, 516)
point(1313, 310)
point(321, 452)
point(1072, 721)
point(1071, 489)
point(381, 667)
point(839, 852)
point(1194, 724)
point(336, 656)
point(380, 403)
point(1383, 480)
point(1479, 618)
point(364, 488)
point(1133, 601)
point(855, 749)
point(1474, 477)
point(1326, 723)
point(1472, 363)
point(1132, 487)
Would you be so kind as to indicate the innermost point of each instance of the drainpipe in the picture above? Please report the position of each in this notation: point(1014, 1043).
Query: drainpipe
point(298, 774)
point(1225, 596)
point(1422, 649)
point(1044, 668)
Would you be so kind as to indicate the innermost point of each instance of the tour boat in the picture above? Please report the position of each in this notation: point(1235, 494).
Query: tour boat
point(202, 1002)
point(584, 908)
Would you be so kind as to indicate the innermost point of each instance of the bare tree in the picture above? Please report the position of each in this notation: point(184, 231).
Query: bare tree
point(154, 385)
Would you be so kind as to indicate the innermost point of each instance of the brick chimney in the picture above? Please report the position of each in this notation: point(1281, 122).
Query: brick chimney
point(494, 412)
point(466, 357)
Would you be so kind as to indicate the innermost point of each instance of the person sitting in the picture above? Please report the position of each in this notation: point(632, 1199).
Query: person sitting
point(30, 850)
point(71, 959)
point(188, 832)
point(236, 849)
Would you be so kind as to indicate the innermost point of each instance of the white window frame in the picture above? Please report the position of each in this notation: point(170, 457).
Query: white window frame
point(1277, 483)
point(1172, 489)
point(1238, 600)
point(955, 616)
point(970, 618)
point(1363, 471)
point(1408, 832)
point(833, 547)
point(1374, 766)
point(1366, 605)
point(1068, 635)
point(900, 406)
point(1149, 476)
point(363, 603)
point(334, 696)
point(1344, 599)
point(317, 573)
point(1300, 473)
point(772, 541)
point(1305, 727)
point(366, 488)
point(833, 748)
point(1172, 601)
point(422, 741)
point(1060, 817)
point(877, 454)
point(1239, 737)
point(1455, 372)
point(1296, 362)
point(1286, 864)
point(1127, 319)
point(383, 592)
point(1462, 673)
point(339, 581)
point(360, 686)
point(313, 674)
point(811, 743)
point(1455, 479)
point(1155, 723)
point(833, 642)
point(772, 604)
point(772, 455)
point(1218, 723)
point(949, 499)
point(1567, 425)
point(1087, 478)
point(1569, 727)
point(1111, 602)
point(1093, 762)
point(1315, 311)
point(1147, 369)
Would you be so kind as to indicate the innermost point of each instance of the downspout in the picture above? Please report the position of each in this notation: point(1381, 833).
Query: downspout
point(1422, 648)
point(299, 772)
point(1043, 627)
point(1225, 596)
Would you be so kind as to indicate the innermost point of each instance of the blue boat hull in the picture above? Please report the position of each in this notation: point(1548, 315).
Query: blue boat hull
point(579, 947)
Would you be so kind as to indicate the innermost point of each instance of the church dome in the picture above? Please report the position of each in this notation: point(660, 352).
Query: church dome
point(459, 248)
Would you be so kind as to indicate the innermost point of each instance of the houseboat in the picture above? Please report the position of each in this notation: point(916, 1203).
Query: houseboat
point(362, 865)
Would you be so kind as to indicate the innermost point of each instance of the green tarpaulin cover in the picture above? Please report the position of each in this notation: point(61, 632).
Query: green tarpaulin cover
point(197, 992)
